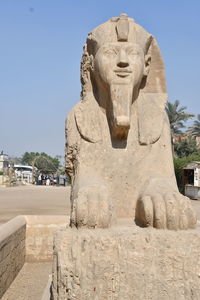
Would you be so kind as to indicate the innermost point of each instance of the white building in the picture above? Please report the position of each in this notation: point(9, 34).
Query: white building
point(192, 180)
point(4, 161)
point(24, 173)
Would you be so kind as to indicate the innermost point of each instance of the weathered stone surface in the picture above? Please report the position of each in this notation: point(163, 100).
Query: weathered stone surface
point(30, 282)
point(26, 238)
point(40, 231)
point(118, 150)
point(119, 157)
point(126, 262)
point(12, 251)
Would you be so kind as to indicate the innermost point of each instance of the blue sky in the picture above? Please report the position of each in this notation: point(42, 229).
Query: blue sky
point(40, 50)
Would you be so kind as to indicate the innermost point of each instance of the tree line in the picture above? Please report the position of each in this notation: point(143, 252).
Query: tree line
point(42, 161)
point(186, 149)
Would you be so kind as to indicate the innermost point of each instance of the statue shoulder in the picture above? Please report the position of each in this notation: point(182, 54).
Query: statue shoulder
point(151, 117)
point(71, 133)
point(87, 119)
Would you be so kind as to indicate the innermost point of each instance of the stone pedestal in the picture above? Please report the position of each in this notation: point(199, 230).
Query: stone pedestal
point(126, 262)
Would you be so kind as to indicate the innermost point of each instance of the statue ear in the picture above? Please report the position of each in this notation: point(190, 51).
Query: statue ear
point(88, 120)
point(147, 64)
point(152, 98)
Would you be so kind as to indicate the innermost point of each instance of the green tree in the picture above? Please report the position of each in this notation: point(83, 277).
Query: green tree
point(28, 157)
point(185, 147)
point(42, 161)
point(194, 130)
point(177, 117)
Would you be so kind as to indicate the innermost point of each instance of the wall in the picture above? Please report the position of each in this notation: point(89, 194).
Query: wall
point(12, 251)
point(126, 262)
point(39, 236)
point(26, 238)
point(3, 179)
point(192, 192)
point(196, 177)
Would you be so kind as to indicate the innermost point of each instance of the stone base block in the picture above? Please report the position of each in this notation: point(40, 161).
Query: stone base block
point(126, 263)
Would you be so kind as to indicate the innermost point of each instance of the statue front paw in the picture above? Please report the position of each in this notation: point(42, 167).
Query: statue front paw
point(91, 208)
point(165, 211)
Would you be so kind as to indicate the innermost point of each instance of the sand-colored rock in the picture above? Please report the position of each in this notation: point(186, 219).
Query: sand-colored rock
point(118, 145)
point(12, 251)
point(119, 157)
point(127, 262)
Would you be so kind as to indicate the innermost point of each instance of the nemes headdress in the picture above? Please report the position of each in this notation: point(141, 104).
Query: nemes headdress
point(118, 29)
point(152, 97)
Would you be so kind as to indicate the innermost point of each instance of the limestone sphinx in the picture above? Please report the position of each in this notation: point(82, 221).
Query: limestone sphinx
point(118, 144)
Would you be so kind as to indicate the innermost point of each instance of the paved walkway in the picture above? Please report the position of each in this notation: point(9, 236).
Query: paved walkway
point(33, 200)
point(30, 282)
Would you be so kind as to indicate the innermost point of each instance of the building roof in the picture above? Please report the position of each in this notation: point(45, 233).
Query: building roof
point(23, 166)
point(192, 165)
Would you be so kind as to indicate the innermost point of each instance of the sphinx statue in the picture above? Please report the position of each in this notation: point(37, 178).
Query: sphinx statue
point(118, 140)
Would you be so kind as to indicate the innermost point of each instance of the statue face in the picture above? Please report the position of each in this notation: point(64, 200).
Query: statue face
point(120, 67)
point(120, 63)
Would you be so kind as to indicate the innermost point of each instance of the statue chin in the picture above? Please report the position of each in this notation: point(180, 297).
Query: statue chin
point(121, 96)
point(120, 128)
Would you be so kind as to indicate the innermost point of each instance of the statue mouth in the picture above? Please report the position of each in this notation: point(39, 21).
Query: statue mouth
point(122, 73)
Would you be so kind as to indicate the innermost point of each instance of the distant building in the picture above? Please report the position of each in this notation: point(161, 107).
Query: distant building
point(198, 140)
point(192, 180)
point(4, 161)
point(180, 138)
point(24, 173)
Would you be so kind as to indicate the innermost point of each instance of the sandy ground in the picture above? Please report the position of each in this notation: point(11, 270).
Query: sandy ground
point(41, 200)
point(33, 200)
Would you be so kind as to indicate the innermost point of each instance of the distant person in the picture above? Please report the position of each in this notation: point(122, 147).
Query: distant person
point(40, 179)
point(57, 180)
point(54, 180)
point(48, 181)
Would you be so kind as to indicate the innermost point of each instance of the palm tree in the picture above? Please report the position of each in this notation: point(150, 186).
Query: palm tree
point(185, 147)
point(194, 130)
point(177, 117)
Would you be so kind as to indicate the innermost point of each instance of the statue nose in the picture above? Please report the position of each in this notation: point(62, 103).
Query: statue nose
point(122, 59)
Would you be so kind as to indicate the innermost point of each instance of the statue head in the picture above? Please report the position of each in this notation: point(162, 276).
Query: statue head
point(115, 67)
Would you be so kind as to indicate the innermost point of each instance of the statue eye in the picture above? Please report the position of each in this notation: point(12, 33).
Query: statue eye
point(110, 52)
point(133, 52)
